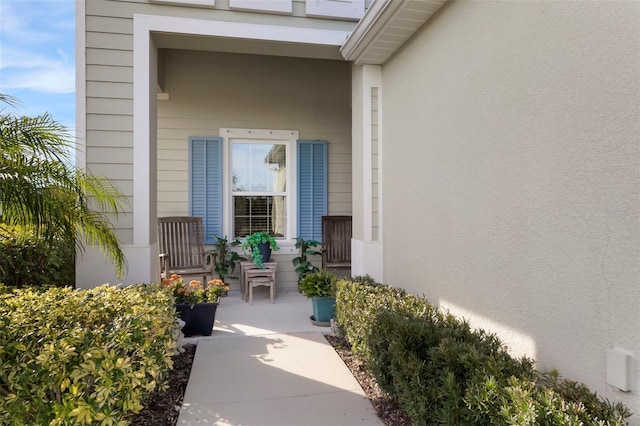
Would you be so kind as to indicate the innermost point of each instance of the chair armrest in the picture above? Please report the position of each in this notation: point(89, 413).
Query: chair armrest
point(164, 264)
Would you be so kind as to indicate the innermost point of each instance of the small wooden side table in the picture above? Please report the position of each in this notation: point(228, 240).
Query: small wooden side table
point(269, 270)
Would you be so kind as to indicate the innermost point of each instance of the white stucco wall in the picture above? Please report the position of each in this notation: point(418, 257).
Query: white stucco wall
point(511, 146)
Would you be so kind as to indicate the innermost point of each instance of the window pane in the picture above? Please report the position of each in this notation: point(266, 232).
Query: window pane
point(259, 213)
point(258, 167)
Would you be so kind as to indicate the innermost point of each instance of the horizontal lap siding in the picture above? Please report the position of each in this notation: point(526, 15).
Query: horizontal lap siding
point(109, 90)
point(209, 90)
point(109, 98)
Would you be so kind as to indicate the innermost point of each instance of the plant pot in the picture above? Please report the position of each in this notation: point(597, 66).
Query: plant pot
point(198, 319)
point(265, 251)
point(318, 323)
point(323, 308)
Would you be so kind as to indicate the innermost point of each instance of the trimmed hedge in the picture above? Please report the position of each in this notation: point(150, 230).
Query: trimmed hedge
point(82, 356)
point(358, 302)
point(439, 357)
point(444, 372)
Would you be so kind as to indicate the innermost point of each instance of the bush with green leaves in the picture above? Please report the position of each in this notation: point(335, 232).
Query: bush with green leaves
point(28, 260)
point(318, 284)
point(548, 400)
point(429, 361)
point(358, 302)
point(444, 372)
point(80, 357)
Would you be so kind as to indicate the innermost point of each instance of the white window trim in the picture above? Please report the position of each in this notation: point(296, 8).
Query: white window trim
point(275, 6)
point(195, 3)
point(290, 137)
point(345, 9)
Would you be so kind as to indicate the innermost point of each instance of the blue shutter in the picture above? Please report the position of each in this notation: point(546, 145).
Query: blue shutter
point(205, 184)
point(312, 188)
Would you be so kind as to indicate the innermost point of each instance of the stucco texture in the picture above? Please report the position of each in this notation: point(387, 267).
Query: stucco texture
point(511, 167)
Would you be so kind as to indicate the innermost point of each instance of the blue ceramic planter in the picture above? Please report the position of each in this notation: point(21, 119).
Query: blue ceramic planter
point(323, 308)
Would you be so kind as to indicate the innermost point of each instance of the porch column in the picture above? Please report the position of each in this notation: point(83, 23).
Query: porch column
point(366, 244)
point(143, 254)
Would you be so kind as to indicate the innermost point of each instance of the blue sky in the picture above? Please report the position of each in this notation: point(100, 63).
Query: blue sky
point(37, 59)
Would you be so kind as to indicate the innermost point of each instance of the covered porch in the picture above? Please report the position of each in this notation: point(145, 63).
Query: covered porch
point(241, 83)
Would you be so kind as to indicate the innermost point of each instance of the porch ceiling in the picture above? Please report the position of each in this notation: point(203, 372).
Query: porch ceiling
point(237, 45)
point(385, 27)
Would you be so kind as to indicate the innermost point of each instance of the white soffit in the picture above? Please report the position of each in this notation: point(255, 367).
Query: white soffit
point(386, 26)
point(239, 37)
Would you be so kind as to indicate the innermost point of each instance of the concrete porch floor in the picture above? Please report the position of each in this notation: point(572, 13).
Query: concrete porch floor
point(266, 364)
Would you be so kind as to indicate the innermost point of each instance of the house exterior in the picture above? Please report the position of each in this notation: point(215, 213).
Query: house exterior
point(488, 151)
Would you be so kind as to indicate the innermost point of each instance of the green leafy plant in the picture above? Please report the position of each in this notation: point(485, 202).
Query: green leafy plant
point(223, 257)
point(39, 188)
point(318, 284)
point(301, 263)
point(252, 242)
point(83, 357)
point(194, 292)
point(444, 372)
point(358, 302)
point(28, 260)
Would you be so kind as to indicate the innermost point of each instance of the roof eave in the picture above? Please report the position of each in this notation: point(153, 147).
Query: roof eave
point(365, 44)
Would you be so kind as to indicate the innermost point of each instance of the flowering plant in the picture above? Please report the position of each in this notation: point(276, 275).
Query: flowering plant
point(194, 292)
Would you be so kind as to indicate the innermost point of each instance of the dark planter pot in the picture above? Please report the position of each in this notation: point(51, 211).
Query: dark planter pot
point(265, 251)
point(199, 319)
point(323, 308)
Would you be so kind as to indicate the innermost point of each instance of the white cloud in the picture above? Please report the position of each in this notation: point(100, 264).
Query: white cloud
point(35, 48)
point(49, 77)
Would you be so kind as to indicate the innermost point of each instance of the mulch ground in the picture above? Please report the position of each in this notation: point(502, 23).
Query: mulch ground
point(163, 407)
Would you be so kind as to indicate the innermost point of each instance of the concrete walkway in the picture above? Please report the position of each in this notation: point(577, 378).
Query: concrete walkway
point(268, 365)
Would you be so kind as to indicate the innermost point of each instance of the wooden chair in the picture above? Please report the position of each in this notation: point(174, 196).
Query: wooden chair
point(336, 242)
point(181, 247)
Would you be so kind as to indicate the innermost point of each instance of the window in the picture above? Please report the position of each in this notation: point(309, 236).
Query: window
point(259, 187)
point(258, 180)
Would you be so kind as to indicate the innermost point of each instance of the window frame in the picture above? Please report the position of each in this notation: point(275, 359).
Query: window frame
point(288, 138)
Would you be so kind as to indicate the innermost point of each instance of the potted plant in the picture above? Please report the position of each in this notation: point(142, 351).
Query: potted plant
point(224, 258)
point(320, 288)
point(260, 244)
point(195, 303)
point(301, 263)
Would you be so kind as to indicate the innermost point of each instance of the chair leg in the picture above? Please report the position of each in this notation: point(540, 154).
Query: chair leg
point(272, 290)
point(250, 294)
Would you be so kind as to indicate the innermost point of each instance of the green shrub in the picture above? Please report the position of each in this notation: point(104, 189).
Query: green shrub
point(547, 401)
point(26, 260)
point(444, 372)
point(358, 301)
point(428, 362)
point(82, 357)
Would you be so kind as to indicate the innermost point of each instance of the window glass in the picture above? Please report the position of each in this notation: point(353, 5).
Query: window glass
point(259, 188)
point(259, 213)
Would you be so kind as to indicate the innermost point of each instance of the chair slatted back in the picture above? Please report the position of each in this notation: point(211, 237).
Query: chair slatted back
point(182, 238)
point(336, 239)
